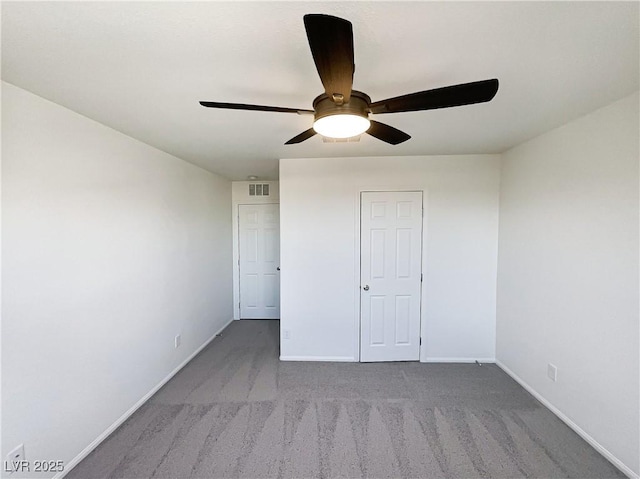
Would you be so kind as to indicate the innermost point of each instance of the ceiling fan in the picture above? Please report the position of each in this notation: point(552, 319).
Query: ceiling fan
point(341, 112)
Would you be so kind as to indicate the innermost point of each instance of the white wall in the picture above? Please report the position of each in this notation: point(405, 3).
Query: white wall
point(319, 218)
point(110, 249)
point(240, 196)
point(568, 272)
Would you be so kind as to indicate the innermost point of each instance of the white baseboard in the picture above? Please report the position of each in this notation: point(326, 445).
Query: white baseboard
point(459, 360)
point(332, 359)
point(96, 442)
point(581, 432)
point(351, 359)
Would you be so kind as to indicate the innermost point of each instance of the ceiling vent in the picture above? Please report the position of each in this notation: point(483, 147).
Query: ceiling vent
point(258, 189)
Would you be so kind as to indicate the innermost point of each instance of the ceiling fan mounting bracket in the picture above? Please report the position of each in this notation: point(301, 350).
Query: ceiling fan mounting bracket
point(358, 105)
point(338, 98)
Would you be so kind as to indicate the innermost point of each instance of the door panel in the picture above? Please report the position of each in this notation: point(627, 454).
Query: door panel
point(403, 253)
point(403, 319)
point(377, 320)
point(391, 267)
point(271, 282)
point(378, 243)
point(259, 236)
point(251, 247)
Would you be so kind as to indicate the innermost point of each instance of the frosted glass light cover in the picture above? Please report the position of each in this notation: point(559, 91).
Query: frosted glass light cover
point(341, 126)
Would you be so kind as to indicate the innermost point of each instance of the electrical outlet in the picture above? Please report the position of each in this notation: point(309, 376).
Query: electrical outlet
point(177, 341)
point(17, 454)
point(286, 334)
point(15, 460)
point(552, 372)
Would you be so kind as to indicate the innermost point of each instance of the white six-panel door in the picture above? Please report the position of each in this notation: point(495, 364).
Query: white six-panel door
point(390, 275)
point(259, 236)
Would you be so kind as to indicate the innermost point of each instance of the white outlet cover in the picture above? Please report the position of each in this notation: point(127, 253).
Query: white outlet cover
point(552, 372)
point(17, 454)
point(177, 341)
point(286, 334)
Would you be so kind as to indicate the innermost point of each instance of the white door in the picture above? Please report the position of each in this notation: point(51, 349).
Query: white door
point(390, 275)
point(259, 235)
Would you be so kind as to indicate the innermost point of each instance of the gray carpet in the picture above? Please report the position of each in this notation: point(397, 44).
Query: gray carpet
point(237, 411)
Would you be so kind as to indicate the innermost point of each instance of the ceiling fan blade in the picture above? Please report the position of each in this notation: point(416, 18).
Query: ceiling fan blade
point(243, 106)
point(387, 133)
point(454, 95)
point(331, 42)
point(305, 135)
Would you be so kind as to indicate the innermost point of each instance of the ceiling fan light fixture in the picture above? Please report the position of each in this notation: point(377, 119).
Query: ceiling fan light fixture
point(342, 125)
point(344, 120)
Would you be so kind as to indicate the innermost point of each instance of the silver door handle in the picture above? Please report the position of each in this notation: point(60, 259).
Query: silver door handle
point(366, 287)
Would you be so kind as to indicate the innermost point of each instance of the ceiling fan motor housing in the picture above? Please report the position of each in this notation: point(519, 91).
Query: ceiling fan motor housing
point(358, 104)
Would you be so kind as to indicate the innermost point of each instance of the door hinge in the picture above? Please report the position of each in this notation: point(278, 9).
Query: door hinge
point(421, 277)
point(420, 341)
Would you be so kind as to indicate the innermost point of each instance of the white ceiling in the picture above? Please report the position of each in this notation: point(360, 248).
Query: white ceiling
point(141, 68)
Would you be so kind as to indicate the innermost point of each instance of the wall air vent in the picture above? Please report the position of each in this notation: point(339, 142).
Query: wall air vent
point(260, 189)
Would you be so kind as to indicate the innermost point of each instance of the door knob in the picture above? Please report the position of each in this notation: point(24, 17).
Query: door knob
point(278, 268)
point(366, 287)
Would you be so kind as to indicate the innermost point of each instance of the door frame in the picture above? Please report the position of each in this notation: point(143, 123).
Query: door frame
point(240, 197)
point(358, 260)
